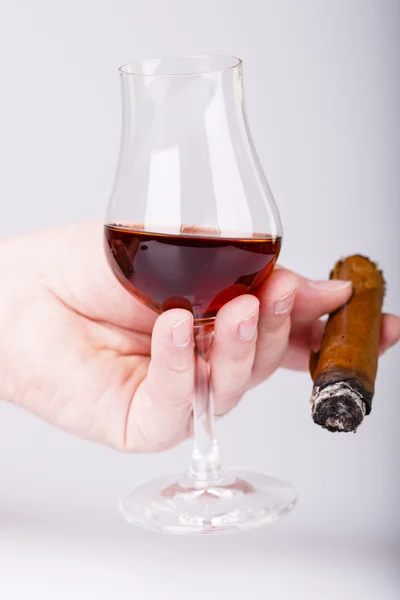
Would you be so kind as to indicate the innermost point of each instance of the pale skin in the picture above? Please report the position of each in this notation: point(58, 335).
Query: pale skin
point(79, 351)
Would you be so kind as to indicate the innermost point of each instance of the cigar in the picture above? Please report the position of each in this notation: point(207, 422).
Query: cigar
point(344, 369)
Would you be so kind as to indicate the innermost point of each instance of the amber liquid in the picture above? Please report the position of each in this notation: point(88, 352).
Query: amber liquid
point(196, 272)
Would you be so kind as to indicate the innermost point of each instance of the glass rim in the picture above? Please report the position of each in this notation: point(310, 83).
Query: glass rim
point(132, 69)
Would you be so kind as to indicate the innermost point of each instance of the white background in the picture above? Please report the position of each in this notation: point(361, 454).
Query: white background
point(322, 82)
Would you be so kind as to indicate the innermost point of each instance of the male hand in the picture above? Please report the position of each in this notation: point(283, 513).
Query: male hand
point(78, 350)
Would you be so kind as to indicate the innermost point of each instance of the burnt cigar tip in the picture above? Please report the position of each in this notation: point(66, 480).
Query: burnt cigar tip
point(338, 407)
point(338, 414)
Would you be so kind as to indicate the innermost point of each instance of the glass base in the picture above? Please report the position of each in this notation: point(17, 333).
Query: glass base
point(238, 501)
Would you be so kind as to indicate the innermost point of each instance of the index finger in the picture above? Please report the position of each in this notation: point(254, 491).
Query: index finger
point(317, 298)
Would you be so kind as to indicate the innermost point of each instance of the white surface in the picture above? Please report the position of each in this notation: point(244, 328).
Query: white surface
point(322, 82)
point(78, 564)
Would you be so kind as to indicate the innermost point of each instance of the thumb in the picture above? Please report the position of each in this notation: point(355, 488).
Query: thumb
point(160, 412)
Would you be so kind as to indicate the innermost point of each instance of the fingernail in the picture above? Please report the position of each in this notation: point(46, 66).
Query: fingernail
point(330, 285)
point(182, 332)
point(284, 304)
point(248, 327)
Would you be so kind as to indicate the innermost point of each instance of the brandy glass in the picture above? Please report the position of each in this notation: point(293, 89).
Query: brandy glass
point(191, 223)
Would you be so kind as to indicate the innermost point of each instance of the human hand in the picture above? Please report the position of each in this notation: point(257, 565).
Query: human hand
point(81, 352)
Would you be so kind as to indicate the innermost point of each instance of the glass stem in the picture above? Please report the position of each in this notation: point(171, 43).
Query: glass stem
point(205, 466)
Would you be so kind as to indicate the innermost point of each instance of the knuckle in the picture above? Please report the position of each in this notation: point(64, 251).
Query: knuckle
point(275, 326)
point(176, 363)
point(242, 351)
point(227, 396)
point(226, 401)
point(179, 367)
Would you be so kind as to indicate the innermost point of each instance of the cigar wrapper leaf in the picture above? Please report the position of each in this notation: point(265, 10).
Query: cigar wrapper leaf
point(344, 369)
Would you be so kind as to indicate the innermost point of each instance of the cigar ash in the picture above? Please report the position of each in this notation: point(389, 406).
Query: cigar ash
point(338, 406)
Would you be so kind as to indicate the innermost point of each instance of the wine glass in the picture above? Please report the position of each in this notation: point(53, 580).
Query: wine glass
point(192, 224)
